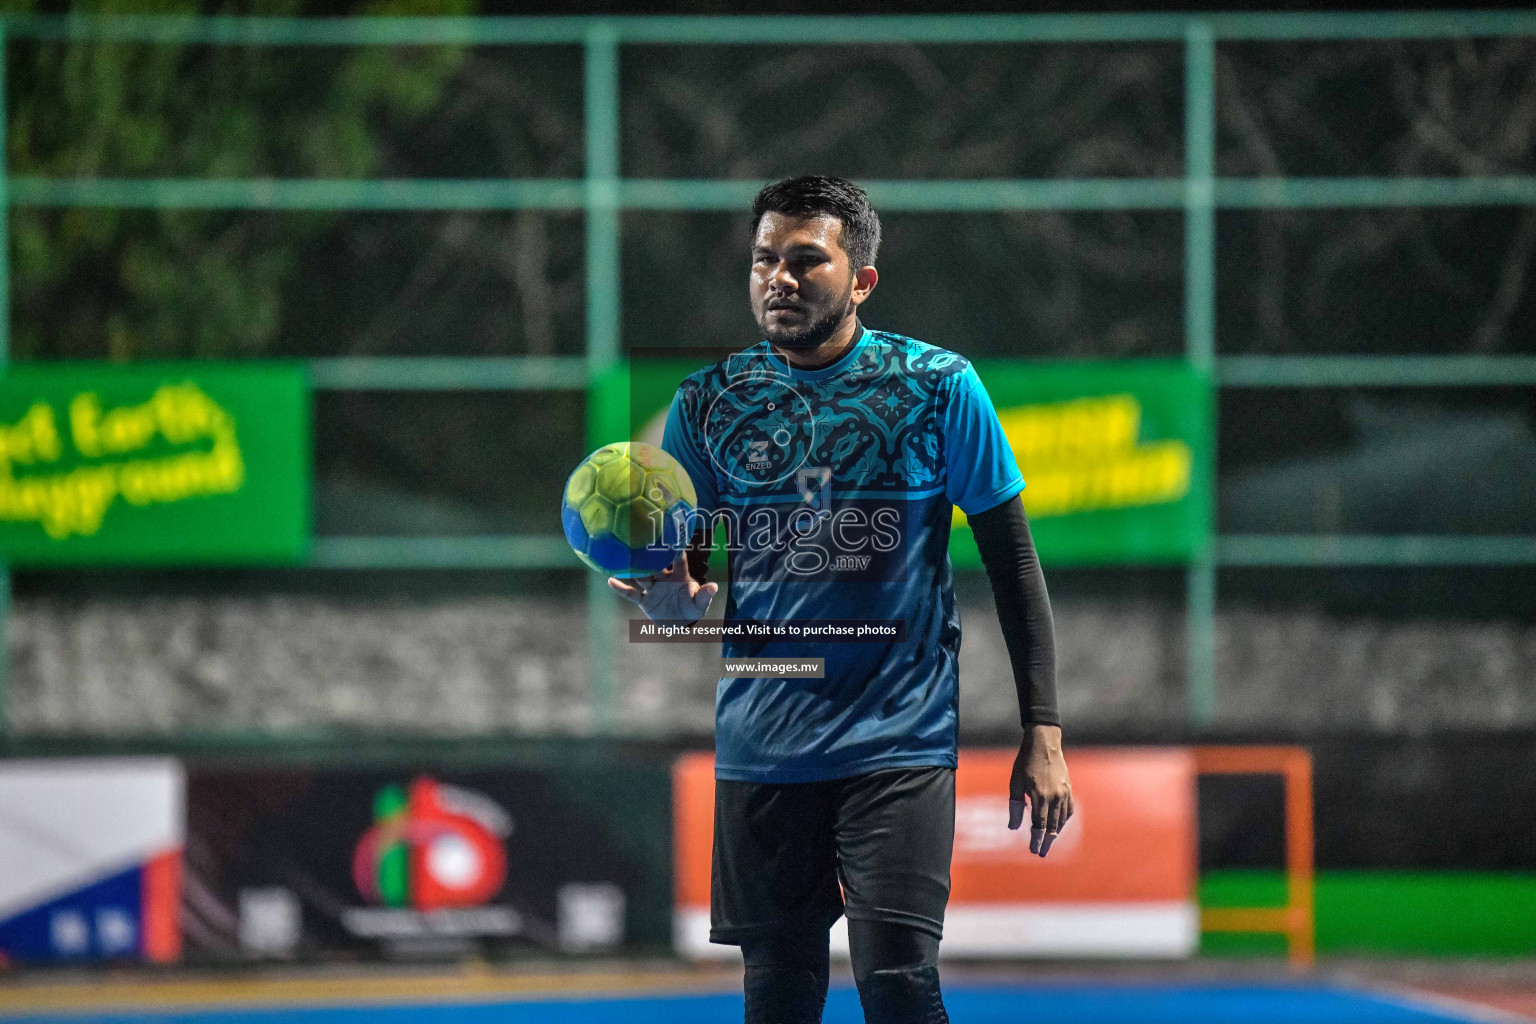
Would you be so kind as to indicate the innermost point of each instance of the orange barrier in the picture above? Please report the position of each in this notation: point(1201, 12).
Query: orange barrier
point(1120, 882)
point(1131, 841)
point(1295, 920)
point(693, 828)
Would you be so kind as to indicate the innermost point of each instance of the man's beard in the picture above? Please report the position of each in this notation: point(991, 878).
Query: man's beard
point(814, 333)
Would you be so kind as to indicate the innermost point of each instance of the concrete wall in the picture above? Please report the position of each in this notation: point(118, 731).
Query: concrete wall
point(482, 665)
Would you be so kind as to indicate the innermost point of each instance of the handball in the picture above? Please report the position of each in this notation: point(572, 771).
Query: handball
point(625, 509)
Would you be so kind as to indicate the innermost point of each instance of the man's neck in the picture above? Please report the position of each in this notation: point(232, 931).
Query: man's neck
point(828, 352)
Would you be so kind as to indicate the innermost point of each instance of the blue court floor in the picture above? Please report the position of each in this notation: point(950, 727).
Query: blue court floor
point(991, 1004)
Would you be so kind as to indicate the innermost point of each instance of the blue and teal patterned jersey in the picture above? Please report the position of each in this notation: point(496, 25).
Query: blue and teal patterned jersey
point(834, 490)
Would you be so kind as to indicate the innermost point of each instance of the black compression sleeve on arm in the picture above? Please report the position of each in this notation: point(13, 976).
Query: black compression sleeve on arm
point(1023, 607)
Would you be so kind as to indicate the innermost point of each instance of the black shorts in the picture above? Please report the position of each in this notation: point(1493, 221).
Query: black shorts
point(781, 850)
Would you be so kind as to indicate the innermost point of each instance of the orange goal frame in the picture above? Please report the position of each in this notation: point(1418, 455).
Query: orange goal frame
point(1296, 920)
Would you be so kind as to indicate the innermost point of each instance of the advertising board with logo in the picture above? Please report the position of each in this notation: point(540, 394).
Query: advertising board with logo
point(1120, 882)
point(154, 463)
point(431, 861)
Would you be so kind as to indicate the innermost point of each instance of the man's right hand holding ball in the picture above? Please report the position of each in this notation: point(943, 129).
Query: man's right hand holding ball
point(671, 594)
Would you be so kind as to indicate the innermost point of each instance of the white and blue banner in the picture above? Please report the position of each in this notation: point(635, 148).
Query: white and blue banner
point(91, 850)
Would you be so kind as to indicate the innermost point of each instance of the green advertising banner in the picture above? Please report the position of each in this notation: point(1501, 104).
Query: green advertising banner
point(154, 464)
point(1116, 456)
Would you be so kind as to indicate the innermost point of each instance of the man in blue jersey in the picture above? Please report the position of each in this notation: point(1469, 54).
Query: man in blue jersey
point(831, 456)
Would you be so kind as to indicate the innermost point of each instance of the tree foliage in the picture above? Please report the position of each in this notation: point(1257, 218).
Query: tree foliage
point(136, 283)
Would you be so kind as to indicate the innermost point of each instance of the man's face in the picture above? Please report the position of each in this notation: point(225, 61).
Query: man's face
point(802, 285)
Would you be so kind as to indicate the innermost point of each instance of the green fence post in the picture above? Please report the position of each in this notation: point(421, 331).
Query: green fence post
point(5, 357)
point(1200, 338)
point(607, 411)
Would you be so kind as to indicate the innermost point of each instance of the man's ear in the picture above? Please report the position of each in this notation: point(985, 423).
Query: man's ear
point(863, 283)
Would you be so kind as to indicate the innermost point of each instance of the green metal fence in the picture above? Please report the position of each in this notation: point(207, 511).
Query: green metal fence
point(602, 194)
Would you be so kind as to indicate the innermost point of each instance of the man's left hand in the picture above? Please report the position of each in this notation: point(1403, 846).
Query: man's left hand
point(1040, 779)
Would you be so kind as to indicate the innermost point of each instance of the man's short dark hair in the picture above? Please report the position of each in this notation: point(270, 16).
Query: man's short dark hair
point(812, 194)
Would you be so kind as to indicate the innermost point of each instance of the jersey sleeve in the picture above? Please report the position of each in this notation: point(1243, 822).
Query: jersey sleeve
point(981, 470)
point(680, 439)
